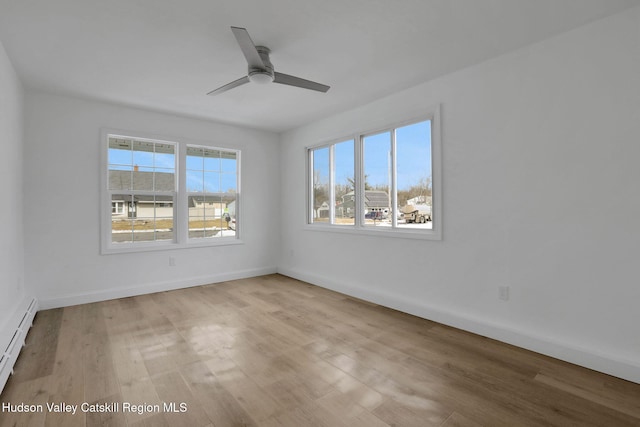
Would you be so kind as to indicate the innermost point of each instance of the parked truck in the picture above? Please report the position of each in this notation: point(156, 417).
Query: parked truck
point(416, 213)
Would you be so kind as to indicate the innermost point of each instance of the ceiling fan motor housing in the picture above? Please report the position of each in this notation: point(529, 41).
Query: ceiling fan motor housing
point(262, 75)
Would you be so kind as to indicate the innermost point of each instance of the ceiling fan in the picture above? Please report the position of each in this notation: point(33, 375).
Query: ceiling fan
point(260, 68)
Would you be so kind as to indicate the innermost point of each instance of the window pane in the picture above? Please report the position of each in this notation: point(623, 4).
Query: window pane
point(120, 179)
point(229, 183)
point(209, 210)
point(132, 164)
point(377, 179)
point(211, 182)
point(194, 158)
point(120, 164)
point(228, 216)
point(211, 159)
point(163, 179)
point(143, 218)
point(119, 152)
point(228, 162)
point(142, 155)
point(211, 216)
point(121, 223)
point(344, 183)
point(413, 168)
point(320, 176)
point(195, 181)
point(164, 160)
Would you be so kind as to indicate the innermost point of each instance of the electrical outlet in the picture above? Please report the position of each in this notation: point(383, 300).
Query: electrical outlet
point(503, 293)
point(172, 261)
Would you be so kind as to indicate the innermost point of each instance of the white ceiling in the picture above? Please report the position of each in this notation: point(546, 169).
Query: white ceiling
point(165, 55)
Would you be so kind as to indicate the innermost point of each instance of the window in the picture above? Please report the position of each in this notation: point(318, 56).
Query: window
point(142, 175)
point(333, 191)
point(393, 190)
point(211, 187)
point(166, 194)
point(117, 208)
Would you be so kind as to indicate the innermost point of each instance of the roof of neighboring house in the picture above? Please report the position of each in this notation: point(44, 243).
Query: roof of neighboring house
point(376, 199)
point(141, 198)
point(372, 199)
point(158, 181)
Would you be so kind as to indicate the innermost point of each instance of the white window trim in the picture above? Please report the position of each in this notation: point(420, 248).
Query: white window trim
point(360, 228)
point(199, 241)
point(118, 203)
point(180, 207)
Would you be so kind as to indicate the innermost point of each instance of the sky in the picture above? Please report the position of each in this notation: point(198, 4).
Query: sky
point(413, 152)
point(211, 173)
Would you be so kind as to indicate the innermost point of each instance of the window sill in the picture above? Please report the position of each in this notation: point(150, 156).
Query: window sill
point(376, 231)
point(167, 246)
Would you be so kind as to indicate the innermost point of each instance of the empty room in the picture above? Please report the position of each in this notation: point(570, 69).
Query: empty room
point(320, 213)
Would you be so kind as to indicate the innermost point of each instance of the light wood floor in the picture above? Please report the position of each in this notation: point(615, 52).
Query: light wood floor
point(273, 351)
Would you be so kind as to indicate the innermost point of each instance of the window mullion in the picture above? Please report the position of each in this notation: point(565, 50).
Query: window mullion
point(310, 199)
point(180, 209)
point(332, 181)
point(359, 181)
point(394, 181)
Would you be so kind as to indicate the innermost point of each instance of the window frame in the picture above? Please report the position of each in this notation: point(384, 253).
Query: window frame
point(180, 201)
point(118, 205)
point(435, 233)
point(197, 240)
point(332, 185)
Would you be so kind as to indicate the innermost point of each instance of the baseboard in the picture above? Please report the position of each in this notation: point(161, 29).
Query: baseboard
point(47, 302)
point(13, 334)
point(586, 357)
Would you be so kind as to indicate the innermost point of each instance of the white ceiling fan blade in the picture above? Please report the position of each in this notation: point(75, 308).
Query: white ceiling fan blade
point(231, 85)
point(286, 79)
point(248, 48)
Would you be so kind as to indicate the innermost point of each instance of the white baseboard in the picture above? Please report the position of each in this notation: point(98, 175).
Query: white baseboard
point(12, 336)
point(47, 302)
point(589, 358)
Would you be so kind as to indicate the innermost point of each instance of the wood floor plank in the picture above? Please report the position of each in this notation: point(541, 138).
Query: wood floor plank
point(254, 399)
point(32, 392)
point(275, 351)
point(353, 414)
point(172, 388)
point(104, 412)
point(611, 400)
point(41, 344)
point(219, 404)
point(458, 420)
point(100, 377)
point(69, 386)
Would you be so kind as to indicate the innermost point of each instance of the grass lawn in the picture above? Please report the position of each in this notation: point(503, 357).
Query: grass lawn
point(163, 224)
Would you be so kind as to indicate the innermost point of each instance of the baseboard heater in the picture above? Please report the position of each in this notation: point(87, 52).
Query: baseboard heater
point(8, 358)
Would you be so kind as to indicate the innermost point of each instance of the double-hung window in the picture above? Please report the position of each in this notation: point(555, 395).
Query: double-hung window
point(212, 186)
point(164, 194)
point(384, 181)
point(142, 189)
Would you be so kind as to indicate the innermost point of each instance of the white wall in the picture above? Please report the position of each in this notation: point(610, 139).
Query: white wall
point(62, 162)
point(541, 177)
point(12, 291)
